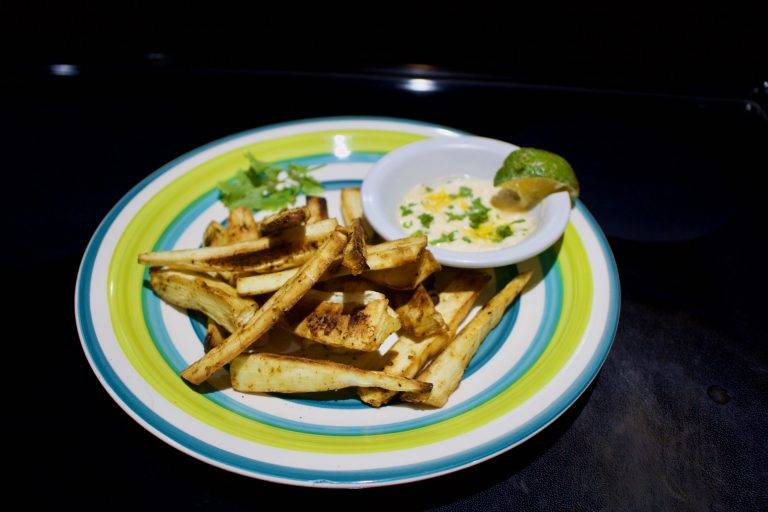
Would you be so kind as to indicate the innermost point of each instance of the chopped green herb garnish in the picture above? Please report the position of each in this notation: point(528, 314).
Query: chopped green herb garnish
point(408, 224)
point(518, 221)
point(412, 204)
point(428, 189)
point(426, 219)
point(445, 237)
point(467, 239)
point(503, 232)
point(477, 213)
point(265, 186)
point(404, 210)
point(418, 232)
point(465, 192)
point(454, 216)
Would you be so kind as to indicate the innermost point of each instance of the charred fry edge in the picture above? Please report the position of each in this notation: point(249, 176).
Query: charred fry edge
point(284, 219)
point(318, 208)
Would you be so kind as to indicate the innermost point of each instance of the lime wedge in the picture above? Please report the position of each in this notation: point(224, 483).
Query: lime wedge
point(532, 174)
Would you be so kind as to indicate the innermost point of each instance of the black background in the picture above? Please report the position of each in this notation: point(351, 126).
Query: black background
point(661, 112)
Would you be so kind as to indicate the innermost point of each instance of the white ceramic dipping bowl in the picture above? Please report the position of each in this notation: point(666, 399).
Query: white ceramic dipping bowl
point(431, 160)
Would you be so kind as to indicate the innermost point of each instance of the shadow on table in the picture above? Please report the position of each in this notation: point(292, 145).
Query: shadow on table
point(232, 490)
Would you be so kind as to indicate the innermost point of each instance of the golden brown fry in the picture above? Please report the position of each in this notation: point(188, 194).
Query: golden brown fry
point(288, 374)
point(418, 316)
point(215, 234)
point(356, 321)
point(408, 355)
point(270, 313)
point(352, 208)
point(446, 370)
point(241, 226)
point(380, 256)
point(227, 257)
point(318, 208)
point(284, 219)
point(407, 276)
point(217, 300)
point(354, 252)
point(395, 253)
point(363, 360)
point(214, 335)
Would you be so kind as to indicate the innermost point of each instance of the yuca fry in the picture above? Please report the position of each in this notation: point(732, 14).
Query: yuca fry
point(241, 226)
point(286, 374)
point(318, 209)
point(395, 252)
point(214, 335)
point(215, 234)
point(381, 256)
point(361, 296)
point(352, 208)
point(215, 299)
point(418, 316)
point(407, 276)
point(363, 360)
point(446, 370)
point(354, 252)
point(408, 355)
point(217, 256)
point(344, 323)
point(270, 313)
point(282, 220)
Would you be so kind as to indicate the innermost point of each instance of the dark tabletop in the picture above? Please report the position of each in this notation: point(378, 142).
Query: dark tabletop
point(677, 417)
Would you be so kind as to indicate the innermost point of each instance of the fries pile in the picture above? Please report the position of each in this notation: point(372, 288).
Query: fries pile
point(298, 303)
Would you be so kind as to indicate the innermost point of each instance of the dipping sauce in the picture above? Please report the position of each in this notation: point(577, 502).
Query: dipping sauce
point(457, 214)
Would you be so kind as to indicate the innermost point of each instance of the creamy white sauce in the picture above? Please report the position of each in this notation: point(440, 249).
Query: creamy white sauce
point(457, 214)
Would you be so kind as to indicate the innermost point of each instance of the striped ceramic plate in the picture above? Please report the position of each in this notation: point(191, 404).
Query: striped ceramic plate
point(543, 354)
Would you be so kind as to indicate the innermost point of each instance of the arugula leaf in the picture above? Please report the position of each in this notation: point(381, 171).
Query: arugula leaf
point(265, 186)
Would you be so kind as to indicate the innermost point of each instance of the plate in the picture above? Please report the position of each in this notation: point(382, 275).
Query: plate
point(543, 354)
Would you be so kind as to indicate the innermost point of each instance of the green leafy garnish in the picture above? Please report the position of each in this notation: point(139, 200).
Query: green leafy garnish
point(477, 213)
point(418, 232)
point(454, 216)
point(467, 239)
point(426, 219)
point(445, 237)
point(408, 224)
point(265, 186)
point(465, 192)
point(404, 210)
point(428, 189)
point(503, 232)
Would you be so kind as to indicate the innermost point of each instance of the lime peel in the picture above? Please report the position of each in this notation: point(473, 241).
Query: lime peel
point(535, 173)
